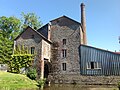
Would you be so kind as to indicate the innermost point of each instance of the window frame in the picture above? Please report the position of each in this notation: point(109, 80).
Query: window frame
point(64, 66)
point(32, 36)
point(64, 41)
point(32, 50)
point(93, 65)
point(64, 53)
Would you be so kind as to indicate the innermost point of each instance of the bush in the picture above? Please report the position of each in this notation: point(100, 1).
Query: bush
point(41, 82)
point(31, 73)
point(119, 85)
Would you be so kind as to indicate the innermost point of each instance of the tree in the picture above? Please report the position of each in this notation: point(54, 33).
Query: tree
point(30, 19)
point(9, 29)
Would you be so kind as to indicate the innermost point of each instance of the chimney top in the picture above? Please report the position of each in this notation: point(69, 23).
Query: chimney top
point(82, 4)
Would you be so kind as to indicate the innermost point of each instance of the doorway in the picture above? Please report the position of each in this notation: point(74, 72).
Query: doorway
point(46, 70)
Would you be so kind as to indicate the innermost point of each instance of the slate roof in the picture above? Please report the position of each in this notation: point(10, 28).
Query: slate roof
point(44, 30)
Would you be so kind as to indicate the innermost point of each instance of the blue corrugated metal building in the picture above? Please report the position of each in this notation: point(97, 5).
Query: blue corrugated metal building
point(95, 61)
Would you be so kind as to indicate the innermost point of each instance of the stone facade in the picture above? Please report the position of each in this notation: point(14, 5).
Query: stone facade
point(88, 80)
point(30, 38)
point(57, 54)
point(66, 52)
point(64, 28)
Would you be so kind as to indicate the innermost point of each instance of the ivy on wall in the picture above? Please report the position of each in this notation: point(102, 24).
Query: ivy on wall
point(20, 59)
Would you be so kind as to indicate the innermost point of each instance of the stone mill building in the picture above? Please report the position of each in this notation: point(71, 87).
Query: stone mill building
point(62, 54)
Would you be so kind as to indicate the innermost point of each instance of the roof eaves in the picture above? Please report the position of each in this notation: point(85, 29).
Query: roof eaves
point(99, 49)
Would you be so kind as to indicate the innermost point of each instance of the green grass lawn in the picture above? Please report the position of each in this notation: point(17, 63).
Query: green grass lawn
point(10, 81)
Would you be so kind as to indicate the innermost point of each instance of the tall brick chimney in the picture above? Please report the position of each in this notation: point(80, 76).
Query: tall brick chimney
point(83, 22)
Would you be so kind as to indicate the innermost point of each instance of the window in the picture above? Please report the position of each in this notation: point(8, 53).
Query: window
point(32, 50)
point(64, 66)
point(45, 59)
point(64, 41)
point(64, 53)
point(93, 65)
point(32, 36)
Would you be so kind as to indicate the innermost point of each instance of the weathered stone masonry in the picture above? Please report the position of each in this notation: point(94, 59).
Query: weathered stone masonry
point(58, 33)
point(30, 38)
point(88, 80)
point(58, 54)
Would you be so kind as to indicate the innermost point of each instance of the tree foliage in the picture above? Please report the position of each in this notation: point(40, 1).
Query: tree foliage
point(10, 26)
point(9, 29)
point(32, 20)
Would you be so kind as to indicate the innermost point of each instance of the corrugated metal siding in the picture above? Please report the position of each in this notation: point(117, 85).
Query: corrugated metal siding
point(108, 61)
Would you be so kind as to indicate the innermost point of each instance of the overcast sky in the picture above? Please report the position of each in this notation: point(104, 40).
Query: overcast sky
point(102, 16)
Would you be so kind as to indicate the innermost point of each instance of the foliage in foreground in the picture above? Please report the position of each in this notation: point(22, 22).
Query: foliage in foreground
point(31, 73)
point(119, 85)
point(41, 82)
point(15, 81)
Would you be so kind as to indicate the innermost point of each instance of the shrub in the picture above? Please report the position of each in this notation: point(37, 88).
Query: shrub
point(31, 73)
point(41, 82)
point(119, 85)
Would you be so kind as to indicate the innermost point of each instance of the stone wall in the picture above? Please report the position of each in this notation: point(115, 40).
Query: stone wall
point(30, 38)
point(46, 50)
point(58, 33)
point(78, 79)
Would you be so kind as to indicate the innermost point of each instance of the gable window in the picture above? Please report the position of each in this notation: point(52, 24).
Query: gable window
point(93, 65)
point(32, 36)
point(64, 53)
point(64, 66)
point(32, 50)
point(64, 41)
